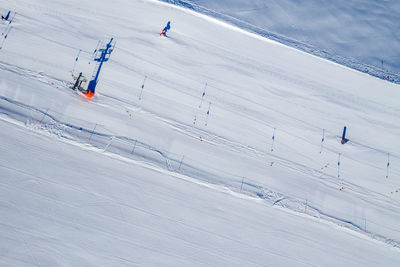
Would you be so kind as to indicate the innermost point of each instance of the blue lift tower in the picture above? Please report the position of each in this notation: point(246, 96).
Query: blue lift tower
point(102, 55)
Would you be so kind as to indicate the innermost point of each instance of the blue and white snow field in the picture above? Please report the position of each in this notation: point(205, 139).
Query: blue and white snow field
point(363, 35)
point(173, 162)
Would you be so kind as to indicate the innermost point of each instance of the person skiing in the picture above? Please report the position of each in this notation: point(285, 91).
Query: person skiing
point(166, 28)
point(6, 17)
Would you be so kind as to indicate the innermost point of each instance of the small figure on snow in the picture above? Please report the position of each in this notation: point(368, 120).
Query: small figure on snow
point(166, 28)
point(6, 17)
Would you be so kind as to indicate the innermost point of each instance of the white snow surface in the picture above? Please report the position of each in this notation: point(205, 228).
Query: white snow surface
point(123, 181)
point(360, 34)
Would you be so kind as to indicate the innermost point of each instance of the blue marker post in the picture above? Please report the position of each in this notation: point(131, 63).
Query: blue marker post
point(338, 166)
point(322, 140)
point(208, 114)
point(273, 140)
point(344, 139)
point(387, 166)
point(202, 96)
point(5, 37)
point(141, 91)
point(76, 61)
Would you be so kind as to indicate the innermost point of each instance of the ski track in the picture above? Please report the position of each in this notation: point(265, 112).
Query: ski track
point(290, 202)
point(214, 252)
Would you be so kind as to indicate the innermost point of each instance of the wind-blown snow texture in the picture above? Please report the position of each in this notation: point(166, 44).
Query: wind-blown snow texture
point(363, 35)
point(119, 180)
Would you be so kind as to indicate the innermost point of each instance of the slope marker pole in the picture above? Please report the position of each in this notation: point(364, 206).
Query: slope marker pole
point(5, 37)
point(387, 166)
point(241, 186)
point(194, 123)
point(134, 146)
point(76, 60)
point(322, 140)
point(305, 211)
point(180, 164)
point(273, 140)
point(92, 132)
point(141, 91)
point(341, 181)
point(365, 224)
point(44, 115)
point(202, 96)
point(208, 113)
point(109, 144)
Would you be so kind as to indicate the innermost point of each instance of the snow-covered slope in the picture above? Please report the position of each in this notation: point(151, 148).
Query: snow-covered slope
point(360, 34)
point(170, 179)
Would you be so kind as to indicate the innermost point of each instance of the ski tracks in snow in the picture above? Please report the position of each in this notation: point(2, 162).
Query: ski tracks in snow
point(213, 139)
point(261, 190)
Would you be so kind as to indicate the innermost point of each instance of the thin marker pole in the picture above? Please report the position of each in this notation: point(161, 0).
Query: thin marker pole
point(194, 123)
point(43, 116)
point(241, 186)
point(202, 96)
point(387, 166)
point(273, 140)
point(76, 60)
point(141, 91)
point(322, 140)
point(305, 211)
point(338, 164)
point(365, 224)
point(180, 164)
point(5, 37)
point(15, 13)
point(208, 113)
point(133, 150)
point(92, 132)
point(109, 144)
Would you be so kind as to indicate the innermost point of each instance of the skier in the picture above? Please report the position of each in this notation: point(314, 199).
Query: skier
point(166, 28)
point(6, 17)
